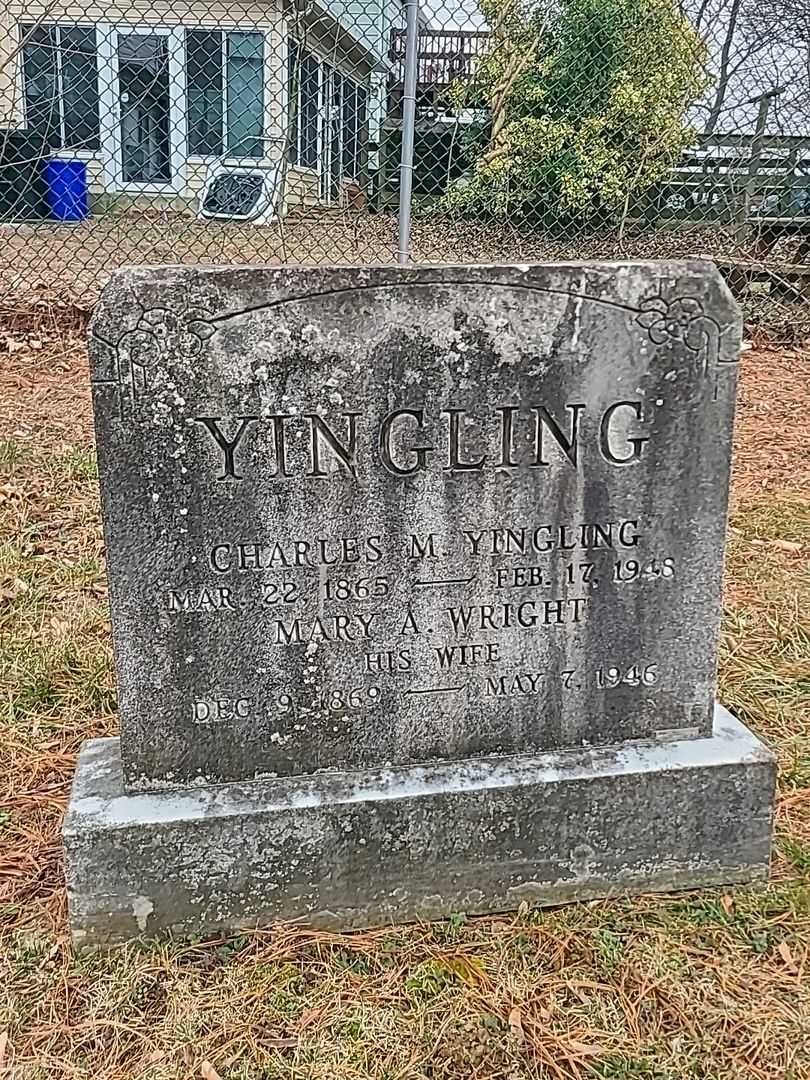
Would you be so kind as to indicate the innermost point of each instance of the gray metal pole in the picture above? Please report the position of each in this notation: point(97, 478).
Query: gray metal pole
point(408, 125)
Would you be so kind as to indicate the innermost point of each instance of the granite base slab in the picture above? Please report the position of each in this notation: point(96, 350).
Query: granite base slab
point(348, 850)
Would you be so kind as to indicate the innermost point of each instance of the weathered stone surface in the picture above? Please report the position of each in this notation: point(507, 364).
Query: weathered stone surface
point(363, 848)
point(381, 516)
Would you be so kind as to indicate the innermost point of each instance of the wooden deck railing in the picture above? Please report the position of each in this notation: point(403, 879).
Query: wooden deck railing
point(444, 57)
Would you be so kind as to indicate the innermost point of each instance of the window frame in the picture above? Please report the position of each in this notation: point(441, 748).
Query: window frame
point(262, 136)
point(112, 148)
point(296, 143)
point(225, 157)
point(362, 91)
point(357, 87)
point(24, 31)
point(327, 71)
point(222, 59)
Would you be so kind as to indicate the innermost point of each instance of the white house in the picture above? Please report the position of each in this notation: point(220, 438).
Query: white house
point(153, 93)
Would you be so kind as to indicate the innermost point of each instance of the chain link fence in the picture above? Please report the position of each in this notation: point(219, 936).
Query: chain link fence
point(142, 131)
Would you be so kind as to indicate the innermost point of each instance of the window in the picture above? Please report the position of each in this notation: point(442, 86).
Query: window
point(334, 112)
point(225, 93)
point(244, 94)
point(293, 104)
point(362, 124)
point(60, 78)
point(303, 86)
point(325, 103)
point(204, 91)
point(349, 127)
point(355, 105)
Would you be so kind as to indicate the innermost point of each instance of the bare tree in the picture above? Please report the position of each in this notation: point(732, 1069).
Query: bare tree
point(725, 64)
point(754, 45)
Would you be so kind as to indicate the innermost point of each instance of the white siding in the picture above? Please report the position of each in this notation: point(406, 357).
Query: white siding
point(302, 186)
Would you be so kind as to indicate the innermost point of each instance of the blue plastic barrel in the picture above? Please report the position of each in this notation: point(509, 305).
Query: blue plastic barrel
point(66, 189)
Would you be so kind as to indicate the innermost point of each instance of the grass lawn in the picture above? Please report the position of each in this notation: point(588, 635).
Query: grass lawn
point(712, 985)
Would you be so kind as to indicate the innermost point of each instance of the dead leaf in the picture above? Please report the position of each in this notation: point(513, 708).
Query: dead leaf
point(309, 1016)
point(787, 957)
point(790, 546)
point(468, 968)
point(10, 491)
point(280, 1044)
point(727, 903)
point(583, 1049)
point(3, 1046)
point(516, 1023)
point(17, 588)
point(208, 1072)
point(545, 1014)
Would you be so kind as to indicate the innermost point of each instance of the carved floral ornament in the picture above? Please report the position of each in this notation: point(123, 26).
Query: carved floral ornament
point(681, 320)
point(181, 332)
point(162, 331)
point(678, 320)
point(159, 334)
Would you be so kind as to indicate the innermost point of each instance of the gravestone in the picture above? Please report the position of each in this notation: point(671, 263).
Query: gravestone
point(415, 585)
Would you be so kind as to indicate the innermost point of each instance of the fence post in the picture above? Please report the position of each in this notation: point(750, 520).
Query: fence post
point(744, 206)
point(408, 125)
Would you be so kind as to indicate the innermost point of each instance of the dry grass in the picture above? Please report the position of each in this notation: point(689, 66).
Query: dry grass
point(710, 986)
point(81, 256)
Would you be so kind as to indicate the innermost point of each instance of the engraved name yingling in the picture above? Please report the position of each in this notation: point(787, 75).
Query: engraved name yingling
point(406, 442)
